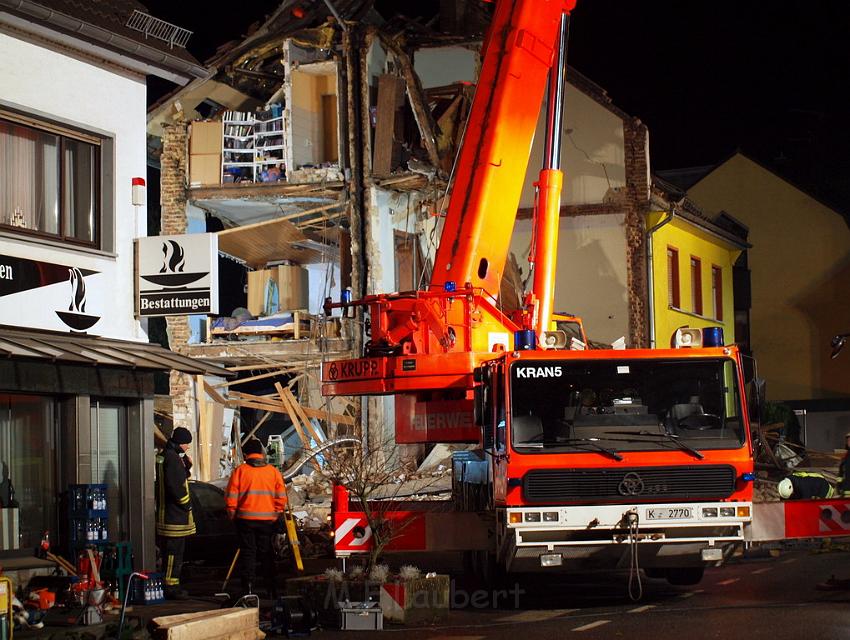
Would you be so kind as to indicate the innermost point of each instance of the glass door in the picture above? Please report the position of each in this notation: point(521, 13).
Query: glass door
point(109, 461)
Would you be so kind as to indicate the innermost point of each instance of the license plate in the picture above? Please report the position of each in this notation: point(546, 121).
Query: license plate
point(670, 513)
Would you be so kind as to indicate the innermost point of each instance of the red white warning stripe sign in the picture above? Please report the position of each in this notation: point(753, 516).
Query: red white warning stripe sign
point(835, 518)
point(799, 519)
point(352, 534)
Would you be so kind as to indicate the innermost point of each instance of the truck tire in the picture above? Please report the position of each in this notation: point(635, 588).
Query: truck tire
point(685, 576)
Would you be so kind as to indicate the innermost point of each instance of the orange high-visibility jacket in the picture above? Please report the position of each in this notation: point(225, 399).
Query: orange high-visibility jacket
point(255, 491)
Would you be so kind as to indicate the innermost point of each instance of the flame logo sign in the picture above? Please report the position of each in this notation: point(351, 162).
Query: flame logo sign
point(75, 317)
point(171, 274)
point(78, 291)
point(174, 262)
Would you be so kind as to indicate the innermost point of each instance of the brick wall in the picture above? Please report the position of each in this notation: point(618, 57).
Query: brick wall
point(173, 181)
point(636, 143)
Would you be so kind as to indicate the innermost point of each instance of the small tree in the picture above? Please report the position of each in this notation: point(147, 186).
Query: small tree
point(373, 483)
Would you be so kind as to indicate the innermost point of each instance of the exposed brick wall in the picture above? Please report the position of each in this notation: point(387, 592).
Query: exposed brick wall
point(172, 197)
point(636, 143)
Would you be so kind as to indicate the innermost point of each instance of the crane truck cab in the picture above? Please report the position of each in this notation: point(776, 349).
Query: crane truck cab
point(603, 457)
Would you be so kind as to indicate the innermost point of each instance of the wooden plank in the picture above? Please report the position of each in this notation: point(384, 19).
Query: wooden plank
point(260, 376)
point(390, 95)
point(293, 416)
point(261, 402)
point(264, 406)
point(320, 414)
point(259, 424)
point(203, 419)
point(215, 439)
point(418, 103)
point(215, 395)
point(225, 623)
point(299, 410)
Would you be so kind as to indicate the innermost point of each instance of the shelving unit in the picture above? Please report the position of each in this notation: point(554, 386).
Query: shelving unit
point(252, 144)
point(88, 517)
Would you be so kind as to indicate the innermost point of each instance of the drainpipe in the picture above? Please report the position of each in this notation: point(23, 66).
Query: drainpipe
point(650, 278)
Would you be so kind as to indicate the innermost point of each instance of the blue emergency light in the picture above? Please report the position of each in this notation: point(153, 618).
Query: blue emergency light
point(712, 337)
point(525, 340)
point(450, 286)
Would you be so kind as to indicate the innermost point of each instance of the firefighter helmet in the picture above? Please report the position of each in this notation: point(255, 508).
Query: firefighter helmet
point(785, 488)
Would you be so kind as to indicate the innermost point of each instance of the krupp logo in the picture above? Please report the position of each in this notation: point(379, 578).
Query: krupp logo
point(333, 372)
point(632, 485)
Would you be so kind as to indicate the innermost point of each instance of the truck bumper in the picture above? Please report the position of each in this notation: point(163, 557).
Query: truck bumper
point(601, 537)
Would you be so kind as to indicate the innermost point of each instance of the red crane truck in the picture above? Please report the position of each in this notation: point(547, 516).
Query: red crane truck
point(591, 459)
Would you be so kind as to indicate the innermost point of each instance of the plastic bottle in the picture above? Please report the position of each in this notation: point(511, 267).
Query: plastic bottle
point(90, 531)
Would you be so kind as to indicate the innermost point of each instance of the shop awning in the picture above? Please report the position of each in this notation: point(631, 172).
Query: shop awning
point(96, 351)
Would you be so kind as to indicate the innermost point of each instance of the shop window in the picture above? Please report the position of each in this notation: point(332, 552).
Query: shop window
point(717, 291)
point(29, 461)
point(673, 278)
point(108, 461)
point(696, 285)
point(49, 181)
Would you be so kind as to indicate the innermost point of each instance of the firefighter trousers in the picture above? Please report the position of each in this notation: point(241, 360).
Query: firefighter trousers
point(171, 552)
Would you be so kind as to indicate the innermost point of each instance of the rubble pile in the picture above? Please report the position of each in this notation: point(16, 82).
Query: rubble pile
point(310, 500)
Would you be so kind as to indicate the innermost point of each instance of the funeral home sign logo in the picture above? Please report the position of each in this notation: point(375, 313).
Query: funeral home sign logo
point(76, 316)
point(168, 285)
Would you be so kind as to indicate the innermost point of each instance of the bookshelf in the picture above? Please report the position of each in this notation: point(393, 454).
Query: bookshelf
point(253, 146)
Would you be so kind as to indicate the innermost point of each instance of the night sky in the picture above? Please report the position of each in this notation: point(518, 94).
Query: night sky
point(707, 78)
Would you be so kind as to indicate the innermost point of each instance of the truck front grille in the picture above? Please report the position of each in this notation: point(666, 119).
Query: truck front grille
point(630, 484)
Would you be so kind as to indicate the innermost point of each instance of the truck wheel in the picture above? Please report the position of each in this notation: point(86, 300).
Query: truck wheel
point(685, 576)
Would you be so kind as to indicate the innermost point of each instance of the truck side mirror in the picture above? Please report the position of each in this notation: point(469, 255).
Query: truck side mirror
point(838, 343)
point(478, 406)
point(758, 392)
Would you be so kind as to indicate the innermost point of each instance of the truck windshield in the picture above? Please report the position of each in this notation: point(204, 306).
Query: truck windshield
point(635, 405)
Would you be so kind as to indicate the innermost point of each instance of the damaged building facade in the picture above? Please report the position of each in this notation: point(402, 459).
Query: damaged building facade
point(321, 152)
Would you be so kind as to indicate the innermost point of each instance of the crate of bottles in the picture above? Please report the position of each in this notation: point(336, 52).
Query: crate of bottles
point(148, 591)
point(88, 515)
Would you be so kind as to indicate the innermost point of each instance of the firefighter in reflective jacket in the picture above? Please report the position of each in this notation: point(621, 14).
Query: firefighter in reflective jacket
point(256, 500)
point(802, 485)
point(174, 520)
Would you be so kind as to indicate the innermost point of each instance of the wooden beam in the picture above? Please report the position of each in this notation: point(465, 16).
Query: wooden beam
point(259, 424)
point(299, 410)
point(260, 376)
point(215, 395)
point(417, 100)
point(390, 98)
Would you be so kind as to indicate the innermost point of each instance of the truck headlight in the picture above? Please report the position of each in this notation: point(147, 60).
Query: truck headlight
point(709, 512)
point(532, 516)
point(550, 516)
point(727, 512)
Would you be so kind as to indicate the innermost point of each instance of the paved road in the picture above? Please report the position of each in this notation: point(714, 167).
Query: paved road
point(774, 598)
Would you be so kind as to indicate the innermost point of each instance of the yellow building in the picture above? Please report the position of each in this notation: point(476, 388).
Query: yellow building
point(691, 262)
point(800, 265)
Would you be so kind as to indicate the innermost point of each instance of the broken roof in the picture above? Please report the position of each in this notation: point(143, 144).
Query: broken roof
point(102, 25)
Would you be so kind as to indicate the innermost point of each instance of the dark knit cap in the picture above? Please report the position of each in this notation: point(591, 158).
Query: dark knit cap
point(181, 435)
point(252, 446)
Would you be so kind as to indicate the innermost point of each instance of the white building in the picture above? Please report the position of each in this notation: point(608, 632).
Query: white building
point(76, 369)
